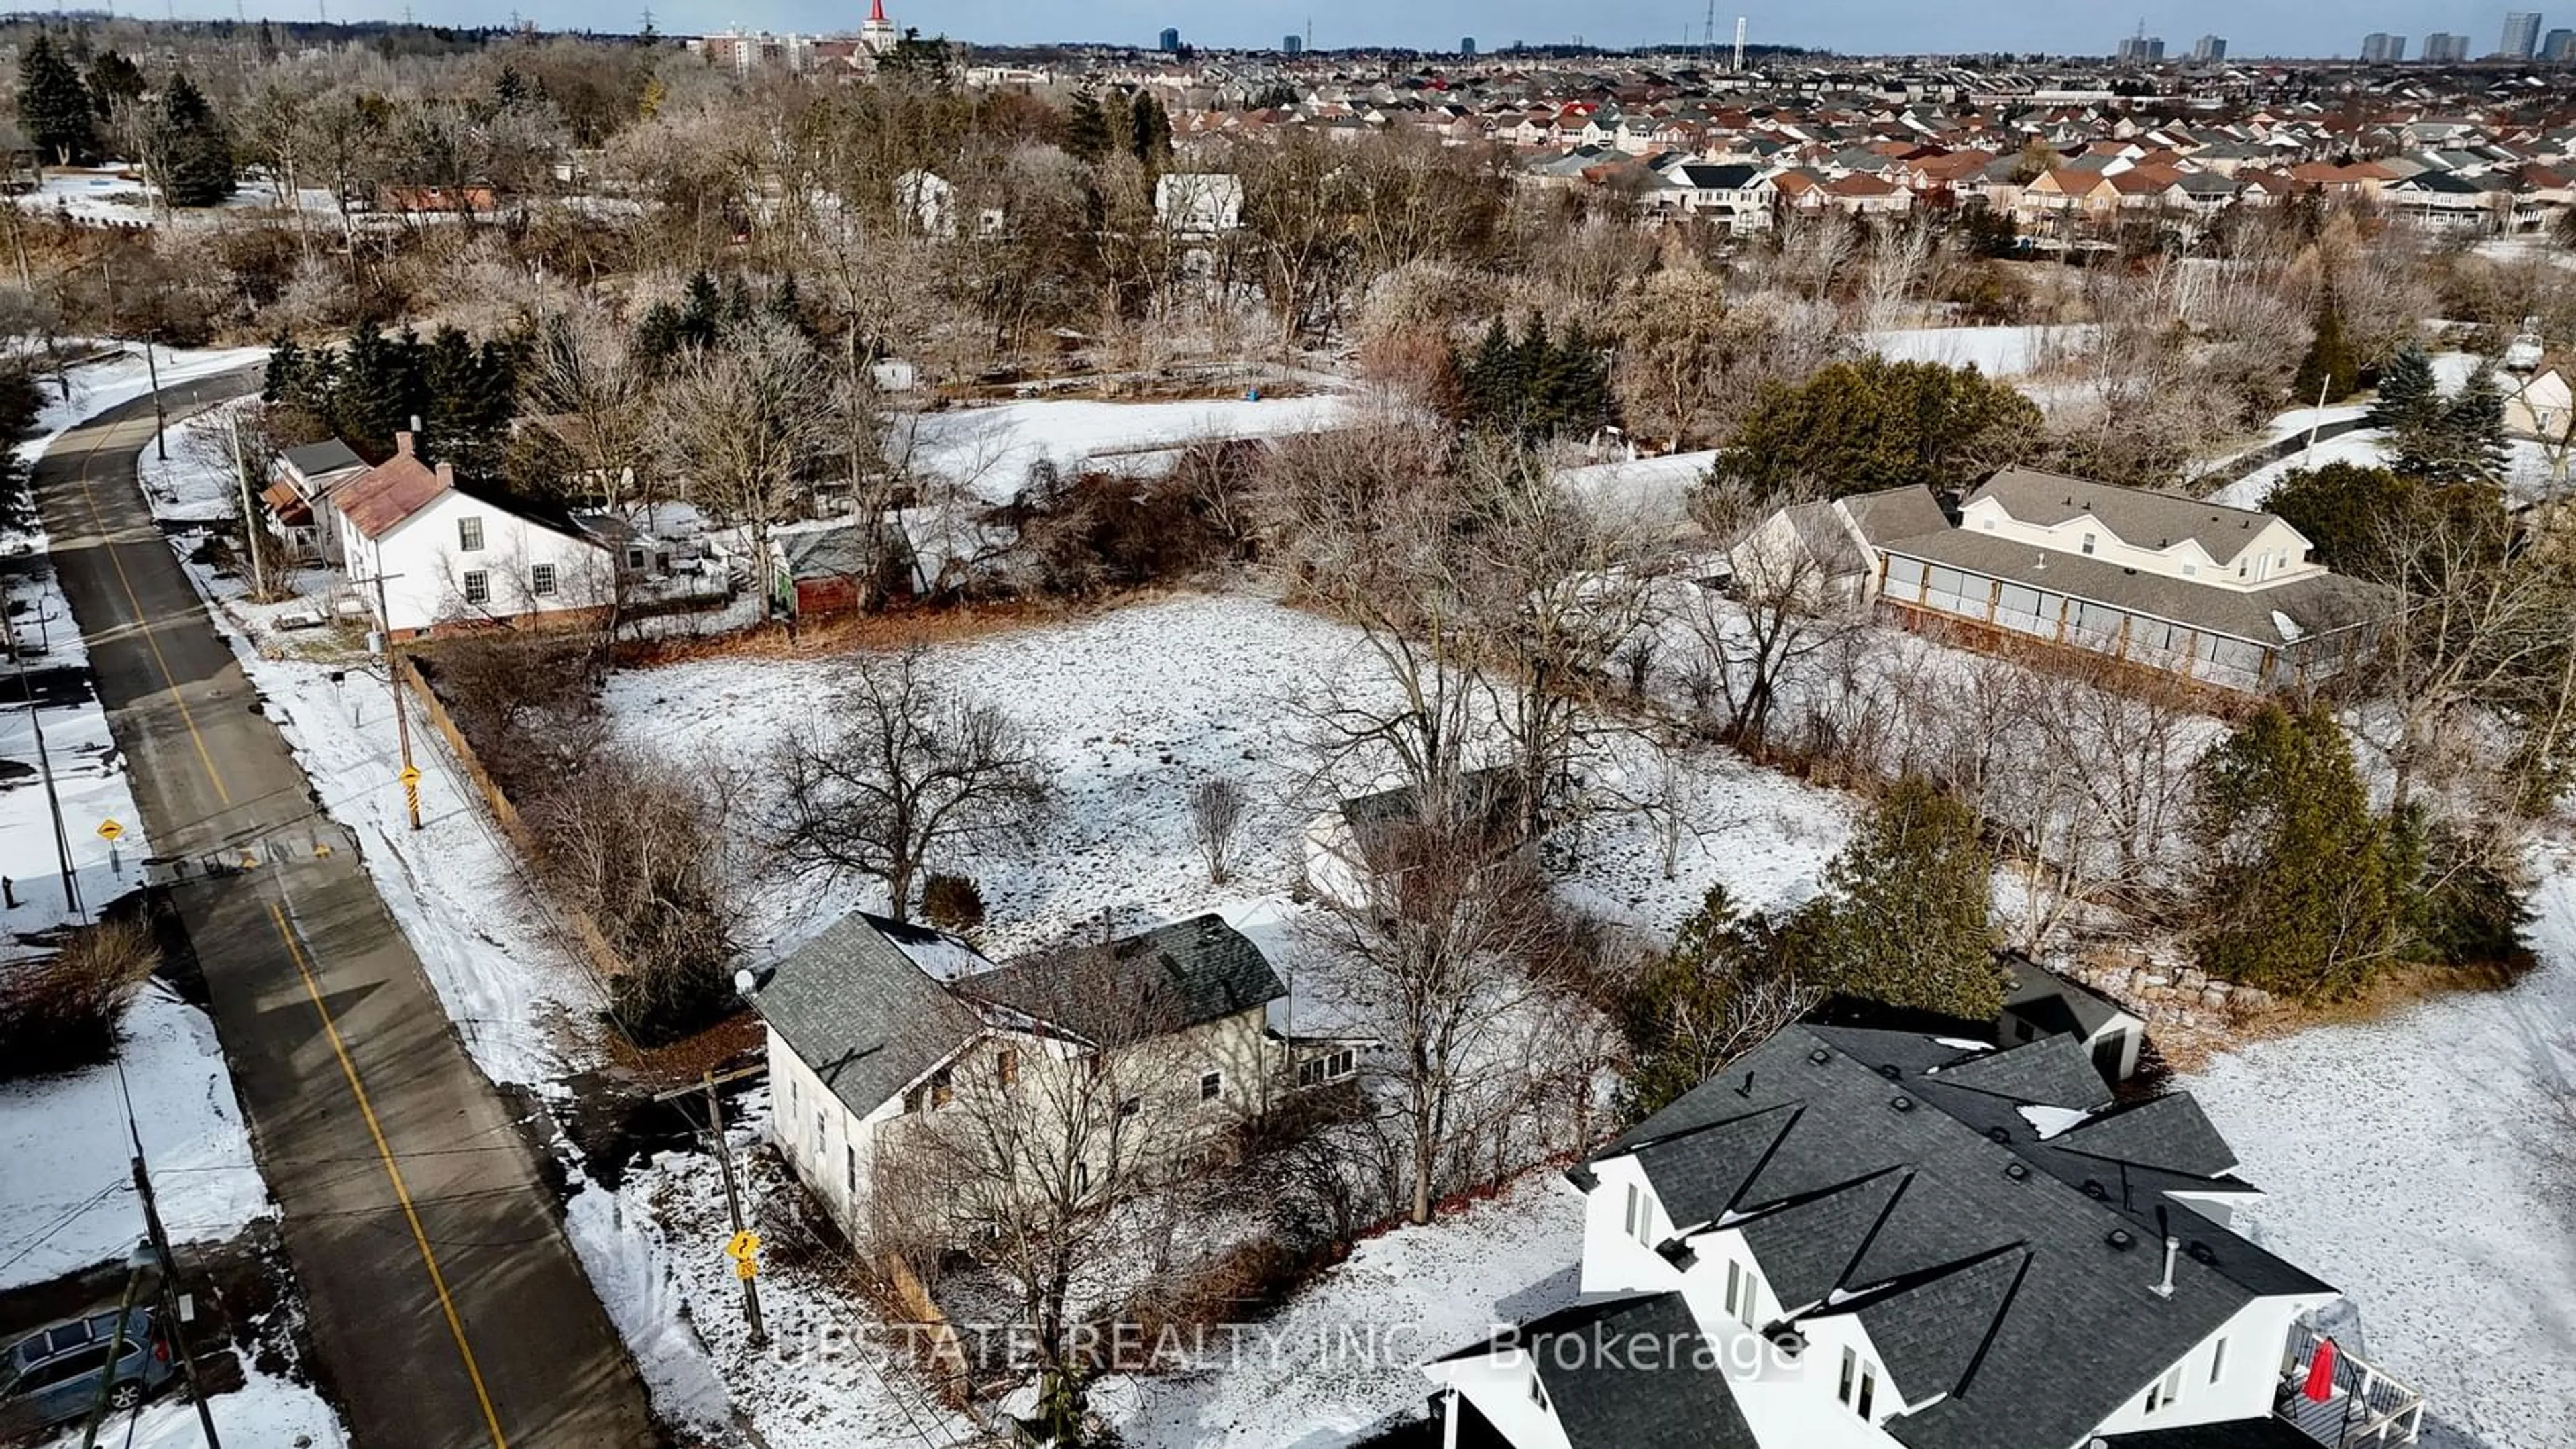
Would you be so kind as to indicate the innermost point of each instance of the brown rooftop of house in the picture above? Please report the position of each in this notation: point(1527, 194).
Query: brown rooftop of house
point(378, 500)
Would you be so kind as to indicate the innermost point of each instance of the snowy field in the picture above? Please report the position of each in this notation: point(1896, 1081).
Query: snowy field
point(109, 196)
point(80, 1210)
point(1995, 351)
point(989, 450)
point(2426, 1165)
point(267, 1412)
point(1132, 708)
point(1341, 1358)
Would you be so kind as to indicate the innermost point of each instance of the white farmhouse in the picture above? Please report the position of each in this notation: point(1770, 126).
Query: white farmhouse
point(438, 554)
point(1862, 1239)
point(877, 1027)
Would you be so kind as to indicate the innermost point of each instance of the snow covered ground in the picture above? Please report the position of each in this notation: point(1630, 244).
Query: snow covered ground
point(989, 450)
point(109, 196)
point(2426, 1165)
point(829, 1376)
point(267, 1411)
point(1996, 351)
point(1341, 1358)
point(1132, 708)
point(80, 1210)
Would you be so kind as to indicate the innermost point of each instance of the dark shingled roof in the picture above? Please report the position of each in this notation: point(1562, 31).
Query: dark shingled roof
point(328, 456)
point(1891, 1176)
point(1616, 1384)
point(2141, 517)
point(1169, 978)
point(2265, 1433)
point(2043, 997)
point(861, 1014)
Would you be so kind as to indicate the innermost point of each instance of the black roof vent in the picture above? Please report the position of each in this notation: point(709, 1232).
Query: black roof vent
point(2095, 1191)
point(2202, 1253)
point(2120, 1240)
point(1901, 1103)
point(1999, 1134)
point(1820, 1056)
point(2016, 1171)
point(1890, 1072)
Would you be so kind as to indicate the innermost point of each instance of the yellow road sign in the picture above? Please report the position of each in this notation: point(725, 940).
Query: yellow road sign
point(742, 1246)
point(746, 1268)
point(410, 775)
point(109, 830)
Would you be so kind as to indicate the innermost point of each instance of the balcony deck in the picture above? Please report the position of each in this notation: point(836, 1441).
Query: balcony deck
point(2366, 1410)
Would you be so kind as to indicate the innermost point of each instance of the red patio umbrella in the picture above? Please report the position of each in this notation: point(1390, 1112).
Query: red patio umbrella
point(2321, 1372)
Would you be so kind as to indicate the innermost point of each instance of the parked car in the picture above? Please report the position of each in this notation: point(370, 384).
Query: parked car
point(52, 1376)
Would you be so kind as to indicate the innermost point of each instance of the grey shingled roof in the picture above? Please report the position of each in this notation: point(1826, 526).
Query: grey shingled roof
point(1170, 978)
point(1893, 513)
point(2167, 1132)
point(328, 456)
point(1907, 1190)
point(2042, 995)
point(859, 1013)
point(1616, 1385)
point(2139, 516)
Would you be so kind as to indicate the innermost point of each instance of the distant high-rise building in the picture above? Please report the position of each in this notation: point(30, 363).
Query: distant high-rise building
point(2521, 35)
point(2381, 48)
point(2141, 50)
point(1467, 46)
point(2442, 47)
point(2559, 46)
point(2209, 47)
point(1170, 44)
point(1292, 44)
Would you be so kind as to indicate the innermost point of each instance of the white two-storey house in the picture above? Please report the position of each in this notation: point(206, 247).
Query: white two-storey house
point(1861, 1239)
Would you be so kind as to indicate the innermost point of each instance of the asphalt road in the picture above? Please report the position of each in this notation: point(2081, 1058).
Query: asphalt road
point(447, 1308)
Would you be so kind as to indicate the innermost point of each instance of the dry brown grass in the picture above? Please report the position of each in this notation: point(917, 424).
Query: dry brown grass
point(62, 1012)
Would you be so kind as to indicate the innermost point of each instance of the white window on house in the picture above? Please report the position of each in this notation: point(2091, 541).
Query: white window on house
point(1630, 1222)
point(1734, 1285)
point(1538, 1391)
point(541, 580)
point(635, 556)
point(1988, 525)
point(1868, 1392)
point(852, 1153)
point(1752, 1291)
point(1851, 1375)
point(1332, 1066)
point(2162, 1393)
point(2088, 543)
point(1211, 1086)
point(2217, 1360)
point(822, 1134)
point(478, 586)
point(2191, 571)
point(469, 534)
point(943, 1088)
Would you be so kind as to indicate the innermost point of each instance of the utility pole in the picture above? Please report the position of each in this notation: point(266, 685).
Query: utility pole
point(733, 1205)
point(250, 523)
point(45, 769)
point(170, 1290)
point(393, 678)
point(707, 1083)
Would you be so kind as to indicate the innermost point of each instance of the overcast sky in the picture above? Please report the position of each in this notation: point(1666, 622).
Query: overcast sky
point(2252, 28)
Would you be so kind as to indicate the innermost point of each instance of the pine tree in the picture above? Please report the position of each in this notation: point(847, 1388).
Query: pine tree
point(2302, 889)
point(2329, 369)
point(192, 150)
point(1149, 130)
point(1493, 379)
point(1086, 127)
point(2409, 395)
point(378, 391)
point(284, 375)
point(114, 81)
point(2471, 430)
point(1908, 899)
point(54, 107)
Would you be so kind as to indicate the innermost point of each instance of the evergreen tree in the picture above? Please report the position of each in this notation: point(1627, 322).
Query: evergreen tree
point(1086, 126)
point(378, 392)
point(2469, 435)
point(1728, 982)
point(1493, 377)
point(2410, 398)
point(467, 403)
point(1908, 899)
point(2302, 891)
point(1149, 130)
point(284, 375)
point(192, 150)
point(2345, 510)
point(114, 82)
point(2329, 368)
point(54, 107)
point(509, 88)
point(1857, 427)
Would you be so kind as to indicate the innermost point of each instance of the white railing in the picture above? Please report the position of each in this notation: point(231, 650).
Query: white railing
point(2366, 1410)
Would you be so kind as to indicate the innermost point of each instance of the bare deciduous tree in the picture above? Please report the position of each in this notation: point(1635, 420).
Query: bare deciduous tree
point(1782, 607)
point(1217, 809)
point(742, 420)
point(894, 769)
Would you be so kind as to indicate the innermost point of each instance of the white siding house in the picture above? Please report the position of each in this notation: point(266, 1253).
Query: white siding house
point(437, 555)
point(1863, 1239)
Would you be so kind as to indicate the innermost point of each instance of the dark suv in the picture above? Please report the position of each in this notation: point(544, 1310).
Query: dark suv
point(52, 1376)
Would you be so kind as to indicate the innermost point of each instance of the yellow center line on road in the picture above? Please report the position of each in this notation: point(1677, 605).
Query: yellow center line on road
point(393, 1173)
point(143, 621)
point(304, 971)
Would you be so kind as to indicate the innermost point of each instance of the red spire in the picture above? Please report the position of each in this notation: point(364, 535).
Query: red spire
point(876, 12)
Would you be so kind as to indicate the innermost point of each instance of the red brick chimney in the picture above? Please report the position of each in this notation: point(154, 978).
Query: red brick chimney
point(402, 444)
point(446, 474)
